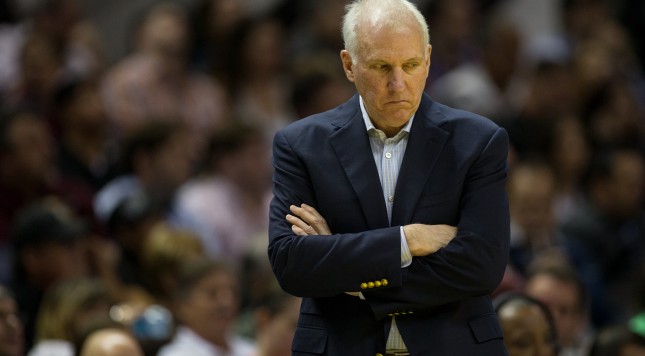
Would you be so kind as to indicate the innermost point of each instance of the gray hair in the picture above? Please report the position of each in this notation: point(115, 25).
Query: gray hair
point(392, 12)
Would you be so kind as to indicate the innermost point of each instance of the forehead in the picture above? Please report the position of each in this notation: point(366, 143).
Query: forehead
point(389, 41)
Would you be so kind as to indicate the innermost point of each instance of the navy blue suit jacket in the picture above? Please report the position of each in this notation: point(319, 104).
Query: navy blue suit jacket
point(453, 172)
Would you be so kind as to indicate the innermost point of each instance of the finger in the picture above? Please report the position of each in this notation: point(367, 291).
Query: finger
point(298, 231)
point(311, 210)
point(303, 214)
point(317, 221)
point(316, 224)
point(304, 227)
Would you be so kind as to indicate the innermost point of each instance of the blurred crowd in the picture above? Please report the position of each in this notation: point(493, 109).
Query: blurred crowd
point(135, 168)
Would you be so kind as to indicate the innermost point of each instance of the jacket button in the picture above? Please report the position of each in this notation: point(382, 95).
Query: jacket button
point(370, 285)
point(384, 282)
point(377, 284)
point(363, 285)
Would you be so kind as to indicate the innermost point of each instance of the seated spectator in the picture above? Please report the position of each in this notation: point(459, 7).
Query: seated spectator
point(526, 324)
point(64, 313)
point(28, 173)
point(49, 247)
point(555, 283)
point(205, 303)
point(531, 192)
point(117, 259)
point(155, 83)
point(156, 162)
point(617, 340)
point(163, 252)
point(85, 149)
point(11, 332)
point(237, 176)
point(111, 342)
point(604, 238)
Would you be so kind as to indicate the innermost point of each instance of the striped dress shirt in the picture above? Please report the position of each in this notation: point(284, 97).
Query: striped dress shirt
point(388, 155)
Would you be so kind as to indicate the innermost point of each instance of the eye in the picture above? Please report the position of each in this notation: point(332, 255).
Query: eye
point(410, 66)
point(380, 67)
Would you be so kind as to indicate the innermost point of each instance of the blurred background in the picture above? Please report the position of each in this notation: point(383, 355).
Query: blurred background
point(135, 140)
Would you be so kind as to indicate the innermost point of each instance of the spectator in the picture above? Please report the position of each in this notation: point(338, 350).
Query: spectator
point(486, 87)
point(549, 96)
point(237, 176)
point(85, 149)
point(605, 237)
point(155, 83)
point(11, 332)
point(28, 173)
point(111, 342)
point(215, 24)
point(62, 25)
point(119, 256)
point(556, 284)
point(66, 310)
point(531, 191)
point(316, 28)
point(41, 72)
point(569, 153)
point(261, 89)
point(318, 84)
point(164, 251)
point(527, 325)
point(49, 247)
point(205, 303)
point(453, 44)
point(157, 161)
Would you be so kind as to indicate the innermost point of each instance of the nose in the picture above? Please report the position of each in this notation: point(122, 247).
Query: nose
point(396, 80)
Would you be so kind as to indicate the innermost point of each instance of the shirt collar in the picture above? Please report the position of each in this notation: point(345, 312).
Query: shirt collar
point(370, 126)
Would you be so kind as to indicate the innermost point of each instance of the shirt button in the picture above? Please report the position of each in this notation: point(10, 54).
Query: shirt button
point(388, 155)
point(390, 198)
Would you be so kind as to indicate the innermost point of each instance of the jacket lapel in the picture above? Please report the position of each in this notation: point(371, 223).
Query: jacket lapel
point(352, 147)
point(425, 143)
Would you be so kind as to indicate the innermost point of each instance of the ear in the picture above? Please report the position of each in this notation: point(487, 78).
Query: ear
point(428, 57)
point(346, 58)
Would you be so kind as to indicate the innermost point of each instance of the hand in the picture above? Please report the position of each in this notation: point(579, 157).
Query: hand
point(307, 221)
point(424, 239)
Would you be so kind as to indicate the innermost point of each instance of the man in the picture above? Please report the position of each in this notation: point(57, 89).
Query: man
point(558, 286)
point(111, 342)
point(423, 236)
point(205, 304)
point(49, 246)
point(604, 238)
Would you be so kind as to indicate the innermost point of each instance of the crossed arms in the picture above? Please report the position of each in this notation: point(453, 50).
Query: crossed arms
point(449, 264)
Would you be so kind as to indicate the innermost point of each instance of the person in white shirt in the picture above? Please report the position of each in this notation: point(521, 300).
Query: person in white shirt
point(206, 304)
